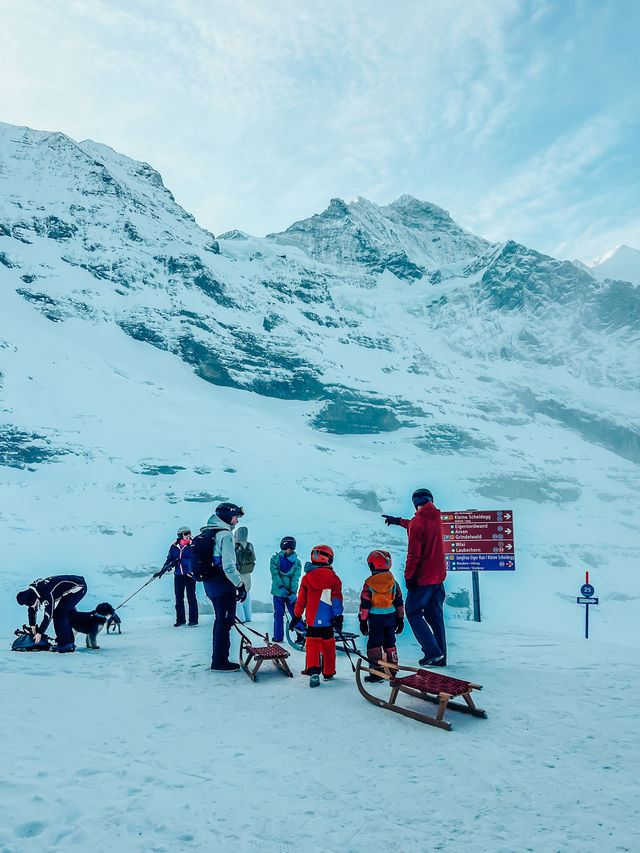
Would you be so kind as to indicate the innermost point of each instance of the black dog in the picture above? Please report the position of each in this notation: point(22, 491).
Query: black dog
point(92, 623)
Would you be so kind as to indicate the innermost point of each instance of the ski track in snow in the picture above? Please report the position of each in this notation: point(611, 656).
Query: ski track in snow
point(139, 747)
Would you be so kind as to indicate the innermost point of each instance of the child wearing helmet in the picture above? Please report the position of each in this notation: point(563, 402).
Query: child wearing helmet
point(320, 600)
point(286, 569)
point(381, 611)
point(178, 559)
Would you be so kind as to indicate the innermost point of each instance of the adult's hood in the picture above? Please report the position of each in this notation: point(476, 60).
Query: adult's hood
point(216, 523)
point(241, 535)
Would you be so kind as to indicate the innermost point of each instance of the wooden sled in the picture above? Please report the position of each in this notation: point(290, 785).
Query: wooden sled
point(252, 657)
point(430, 686)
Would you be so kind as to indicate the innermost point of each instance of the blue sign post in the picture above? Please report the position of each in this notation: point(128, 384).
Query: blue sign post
point(587, 599)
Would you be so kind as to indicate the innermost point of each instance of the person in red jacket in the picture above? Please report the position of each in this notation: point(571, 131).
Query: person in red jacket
point(424, 575)
point(320, 599)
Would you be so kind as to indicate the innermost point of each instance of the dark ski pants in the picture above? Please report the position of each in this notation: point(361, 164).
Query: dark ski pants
point(62, 616)
point(424, 612)
point(279, 604)
point(182, 584)
point(224, 607)
point(382, 638)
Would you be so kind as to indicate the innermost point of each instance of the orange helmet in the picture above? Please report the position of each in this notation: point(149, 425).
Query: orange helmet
point(322, 554)
point(379, 561)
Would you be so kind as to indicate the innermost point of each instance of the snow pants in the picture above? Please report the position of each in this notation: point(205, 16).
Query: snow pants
point(279, 604)
point(382, 638)
point(62, 616)
point(224, 607)
point(243, 609)
point(321, 652)
point(182, 584)
point(424, 612)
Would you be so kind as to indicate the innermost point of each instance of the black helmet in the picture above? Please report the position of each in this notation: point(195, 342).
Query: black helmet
point(226, 512)
point(288, 542)
point(420, 497)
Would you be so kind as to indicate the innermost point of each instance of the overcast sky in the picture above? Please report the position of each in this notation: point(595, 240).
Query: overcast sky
point(520, 118)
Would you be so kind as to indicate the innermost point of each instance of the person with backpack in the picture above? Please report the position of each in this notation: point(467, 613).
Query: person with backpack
point(246, 561)
point(57, 596)
point(179, 558)
point(424, 575)
point(381, 612)
point(320, 600)
point(213, 561)
point(286, 569)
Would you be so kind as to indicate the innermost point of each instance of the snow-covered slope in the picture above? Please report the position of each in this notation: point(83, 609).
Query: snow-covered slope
point(147, 750)
point(316, 376)
point(621, 263)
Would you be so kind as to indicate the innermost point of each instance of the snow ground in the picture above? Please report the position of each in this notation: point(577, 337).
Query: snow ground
point(139, 747)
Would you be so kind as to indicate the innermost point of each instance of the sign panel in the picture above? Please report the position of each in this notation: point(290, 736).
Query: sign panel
point(479, 563)
point(483, 538)
point(586, 600)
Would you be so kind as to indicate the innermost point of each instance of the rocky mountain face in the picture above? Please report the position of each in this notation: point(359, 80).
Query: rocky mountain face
point(391, 323)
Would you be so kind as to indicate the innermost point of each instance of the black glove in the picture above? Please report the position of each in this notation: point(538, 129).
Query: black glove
point(296, 620)
point(241, 592)
point(391, 519)
point(161, 572)
point(337, 623)
point(399, 625)
point(411, 585)
point(364, 627)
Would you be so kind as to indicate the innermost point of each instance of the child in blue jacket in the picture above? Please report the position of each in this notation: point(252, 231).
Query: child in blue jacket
point(285, 577)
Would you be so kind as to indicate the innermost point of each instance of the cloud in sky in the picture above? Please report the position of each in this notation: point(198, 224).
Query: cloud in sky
point(520, 117)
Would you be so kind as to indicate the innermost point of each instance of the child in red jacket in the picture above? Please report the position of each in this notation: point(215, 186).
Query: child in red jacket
point(320, 599)
point(381, 611)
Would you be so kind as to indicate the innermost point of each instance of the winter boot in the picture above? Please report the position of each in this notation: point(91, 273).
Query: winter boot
point(226, 666)
point(392, 654)
point(314, 680)
point(67, 647)
point(374, 654)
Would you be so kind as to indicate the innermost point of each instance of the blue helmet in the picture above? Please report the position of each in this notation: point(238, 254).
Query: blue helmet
point(420, 497)
point(288, 542)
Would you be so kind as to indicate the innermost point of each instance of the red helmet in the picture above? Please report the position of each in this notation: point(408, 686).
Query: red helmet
point(379, 561)
point(322, 554)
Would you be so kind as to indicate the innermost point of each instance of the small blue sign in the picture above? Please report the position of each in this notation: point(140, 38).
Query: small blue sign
point(586, 600)
point(587, 590)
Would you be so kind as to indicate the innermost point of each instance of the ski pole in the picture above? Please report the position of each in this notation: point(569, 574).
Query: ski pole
point(152, 578)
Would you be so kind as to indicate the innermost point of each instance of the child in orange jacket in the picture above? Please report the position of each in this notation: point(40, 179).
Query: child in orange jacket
point(381, 611)
point(320, 599)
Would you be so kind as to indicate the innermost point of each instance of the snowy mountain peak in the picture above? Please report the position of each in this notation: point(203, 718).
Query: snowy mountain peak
point(622, 263)
point(407, 237)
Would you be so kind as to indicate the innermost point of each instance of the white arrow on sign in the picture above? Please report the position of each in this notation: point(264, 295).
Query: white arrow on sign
point(508, 531)
point(507, 515)
point(509, 547)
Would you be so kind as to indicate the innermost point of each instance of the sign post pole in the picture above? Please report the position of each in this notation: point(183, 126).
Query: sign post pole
point(475, 582)
point(587, 599)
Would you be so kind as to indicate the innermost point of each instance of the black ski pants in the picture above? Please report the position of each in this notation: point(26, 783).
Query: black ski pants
point(62, 616)
point(182, 584)
point(224, 607)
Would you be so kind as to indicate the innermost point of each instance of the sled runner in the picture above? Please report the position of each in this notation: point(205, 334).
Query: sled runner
point(430, 686)
point(345, 641)
point(252, 657)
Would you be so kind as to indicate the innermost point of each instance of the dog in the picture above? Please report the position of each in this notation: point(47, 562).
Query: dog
point(92, 623)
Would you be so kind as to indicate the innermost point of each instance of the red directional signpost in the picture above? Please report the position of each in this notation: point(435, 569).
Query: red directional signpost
point(478, 541)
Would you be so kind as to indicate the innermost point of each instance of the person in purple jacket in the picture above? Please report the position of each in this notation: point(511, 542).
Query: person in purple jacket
point(178, 558)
